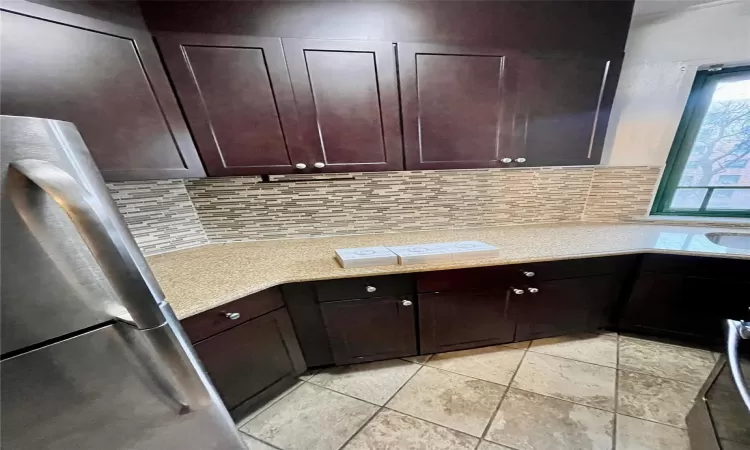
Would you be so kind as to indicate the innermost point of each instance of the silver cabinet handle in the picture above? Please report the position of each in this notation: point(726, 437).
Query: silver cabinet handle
point(533, 290)
point(529, 274)
point(319, 165)
point(96, 230)
point(517, 291)
point(736, 331)
point(520, 160)
point(406, 302)
point(232, 315)
point(506, 160)
point(300, 166)
point(371, 289)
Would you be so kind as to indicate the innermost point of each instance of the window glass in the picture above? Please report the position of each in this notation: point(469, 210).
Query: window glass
point(712, 149)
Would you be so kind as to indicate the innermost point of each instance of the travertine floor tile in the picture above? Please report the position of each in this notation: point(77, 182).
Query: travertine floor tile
point(421, 359)
point(254, 444)
point(529, 421)
point(391, 430)
point(522, 345)
point(576, 381)
point(268, 404)
point(374, 382)
point(487, 445)
point(496, 364)
point(654, 398)
point(308, 374)
point(729, 414)
point(449, 399)
point(664, 360)
point(637, 434)
point(592, 348)
point(310, 418)
point(731, 445)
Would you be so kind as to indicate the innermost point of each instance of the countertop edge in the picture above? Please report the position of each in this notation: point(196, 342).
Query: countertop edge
point(416, 268)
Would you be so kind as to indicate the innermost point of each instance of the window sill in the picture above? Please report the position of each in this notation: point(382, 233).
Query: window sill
point(729, 221)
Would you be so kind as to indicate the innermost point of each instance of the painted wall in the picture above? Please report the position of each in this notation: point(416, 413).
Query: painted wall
point(663, 52)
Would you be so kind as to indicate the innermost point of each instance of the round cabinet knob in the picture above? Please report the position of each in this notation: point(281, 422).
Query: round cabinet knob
point(406, 302)
point(371, 289)
point(520, 160)
point(517, 291)
point(506, 160)
point(529, 274)
point(233, 316)
point(300, 166)
point(533, 290)
point(319, 165)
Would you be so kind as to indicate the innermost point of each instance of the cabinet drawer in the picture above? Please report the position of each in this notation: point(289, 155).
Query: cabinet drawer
point(574, 268)
point(216, 320)
point(465, 279)
point(391, 285)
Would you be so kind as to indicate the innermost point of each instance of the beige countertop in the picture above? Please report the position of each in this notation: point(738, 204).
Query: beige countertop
point(201, 278)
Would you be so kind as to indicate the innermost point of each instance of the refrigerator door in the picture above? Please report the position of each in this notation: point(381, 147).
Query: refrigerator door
point(116, 387)
point(69, 262)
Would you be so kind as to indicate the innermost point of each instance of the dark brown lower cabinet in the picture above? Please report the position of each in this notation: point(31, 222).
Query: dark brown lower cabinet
point(257, 356)
point(682, 306)
point(465, 319)
point(370, 329)
point(564, 306)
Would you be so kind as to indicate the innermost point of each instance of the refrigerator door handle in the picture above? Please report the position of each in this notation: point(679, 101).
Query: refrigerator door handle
point(102, 239)
point(737, 330)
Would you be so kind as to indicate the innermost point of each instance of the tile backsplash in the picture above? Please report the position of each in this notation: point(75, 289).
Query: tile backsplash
point(174, 214)
point(160, 215)
point(620, 193)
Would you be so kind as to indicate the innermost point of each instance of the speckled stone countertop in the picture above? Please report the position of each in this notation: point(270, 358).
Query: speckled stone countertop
point(201, 278)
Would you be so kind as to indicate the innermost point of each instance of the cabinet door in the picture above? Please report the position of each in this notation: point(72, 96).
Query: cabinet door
point(464, 319)
point(104, 78)
point(563, 109)
point(236, 93)
point(457, 106)
point(370, 329)
point(347, 97)
point(564, 306)
point(689, 307)
point(251, 357)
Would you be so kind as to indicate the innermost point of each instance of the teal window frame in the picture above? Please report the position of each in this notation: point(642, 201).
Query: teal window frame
point(687, 131)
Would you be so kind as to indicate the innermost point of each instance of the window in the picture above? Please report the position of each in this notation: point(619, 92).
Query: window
point(707, 172)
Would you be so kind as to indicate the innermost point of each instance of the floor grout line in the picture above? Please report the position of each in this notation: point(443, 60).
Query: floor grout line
point(617, 394)
point(260, 440)
point(402, 386)
point(275, 400)
point(505, 394)
point(367, 422)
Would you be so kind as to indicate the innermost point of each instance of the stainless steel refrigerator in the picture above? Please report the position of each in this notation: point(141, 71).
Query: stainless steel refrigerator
point(92, 355)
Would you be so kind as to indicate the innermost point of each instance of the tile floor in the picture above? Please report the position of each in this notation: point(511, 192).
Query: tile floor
point(586, 391)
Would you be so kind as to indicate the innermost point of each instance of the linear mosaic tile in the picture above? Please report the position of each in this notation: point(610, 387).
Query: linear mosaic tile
point(241, 208)
point(621, 193)
point(174, 214)
point(160, 215)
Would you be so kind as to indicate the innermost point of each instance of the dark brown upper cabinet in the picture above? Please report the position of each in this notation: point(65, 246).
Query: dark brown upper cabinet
point(457, 106)
point(563, 108)
point(347, 99)
point(104, 77)
point(238, 99)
